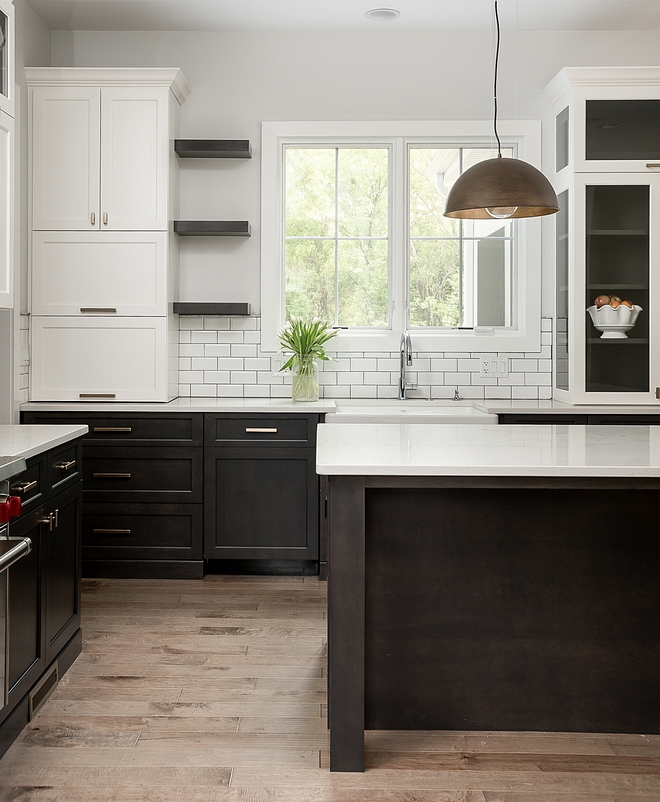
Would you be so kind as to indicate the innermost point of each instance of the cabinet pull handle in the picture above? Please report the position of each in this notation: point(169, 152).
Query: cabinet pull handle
point(57, 519)
point(64, 466)
point(48, 522)
point(653, 164)
point(105, 218)
point(97, 395)
point(111, 531)
point(109, 475)
point(23, 487)
point(98, 310)
point(93, 218)
point(112, 429)
point(260, 429)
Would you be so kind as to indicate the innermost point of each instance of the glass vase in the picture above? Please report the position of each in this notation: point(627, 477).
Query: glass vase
point(305, 384)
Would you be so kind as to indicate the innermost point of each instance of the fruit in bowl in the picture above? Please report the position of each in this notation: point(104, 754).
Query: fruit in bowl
point(614, 317)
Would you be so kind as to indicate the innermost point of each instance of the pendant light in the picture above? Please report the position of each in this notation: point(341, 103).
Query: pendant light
point(501, 188)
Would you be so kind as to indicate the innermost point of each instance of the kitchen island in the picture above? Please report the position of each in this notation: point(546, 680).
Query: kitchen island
point(491, 578)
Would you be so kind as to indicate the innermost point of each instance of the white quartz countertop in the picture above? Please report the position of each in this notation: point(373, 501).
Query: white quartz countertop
point(492, 406)
point(29, 440)
point(395, 449)
point(190, 405)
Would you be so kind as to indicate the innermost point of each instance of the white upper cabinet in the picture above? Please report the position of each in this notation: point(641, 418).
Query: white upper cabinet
point(101, 147)
point(93, 273)
point(607, 119)
point(66, 136)
point(607, 178)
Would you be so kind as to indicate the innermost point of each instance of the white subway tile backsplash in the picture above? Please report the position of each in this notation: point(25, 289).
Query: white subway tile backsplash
point(241, 349)
point(204, 363)
point(215, 377)
point(221, 357)
point(204, 337)
point(217, 349)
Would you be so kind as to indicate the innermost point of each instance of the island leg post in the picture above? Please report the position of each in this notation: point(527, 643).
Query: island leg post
point(346, 623)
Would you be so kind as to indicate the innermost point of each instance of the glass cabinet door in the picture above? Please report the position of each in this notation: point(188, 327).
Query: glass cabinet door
point(4, 51)
point(622, 130)
point(617, 271)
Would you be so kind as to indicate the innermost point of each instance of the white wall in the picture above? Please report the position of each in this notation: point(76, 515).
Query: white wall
point(239, 79)
point(32, 48)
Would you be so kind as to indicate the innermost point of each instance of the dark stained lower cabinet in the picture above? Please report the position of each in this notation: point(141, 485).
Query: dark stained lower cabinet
point(143, 492)
point(44, 589)
point(261, 491)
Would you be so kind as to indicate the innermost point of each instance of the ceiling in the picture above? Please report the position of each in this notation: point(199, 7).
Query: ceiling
point(195, 15)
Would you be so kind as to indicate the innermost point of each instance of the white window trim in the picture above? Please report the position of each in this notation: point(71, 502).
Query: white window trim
point(524, 136)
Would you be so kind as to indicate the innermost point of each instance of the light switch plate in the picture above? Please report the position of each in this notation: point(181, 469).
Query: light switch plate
point(493, 367)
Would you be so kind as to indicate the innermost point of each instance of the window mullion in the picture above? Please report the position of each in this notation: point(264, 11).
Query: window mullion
point(398, 236)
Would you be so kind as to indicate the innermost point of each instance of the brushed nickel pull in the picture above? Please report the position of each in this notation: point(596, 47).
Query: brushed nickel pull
point(64, 466)
point(23, 487)
point(98, 310)
point(657, 392)
point(97, 395)
point(112, 429)
point(260, 429)
point(48, 522)
point(653, 165)
point(57, 519)
point(105, 218)
point(110, 475)
point(93, 218)
point(111, 531)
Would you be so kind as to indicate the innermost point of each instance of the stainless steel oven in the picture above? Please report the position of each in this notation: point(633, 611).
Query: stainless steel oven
point(11, 550)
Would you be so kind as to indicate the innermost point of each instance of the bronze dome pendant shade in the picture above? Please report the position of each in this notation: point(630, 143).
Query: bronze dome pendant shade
point(501, 188)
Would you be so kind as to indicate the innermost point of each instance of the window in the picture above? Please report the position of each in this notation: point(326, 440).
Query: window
point(353, 232)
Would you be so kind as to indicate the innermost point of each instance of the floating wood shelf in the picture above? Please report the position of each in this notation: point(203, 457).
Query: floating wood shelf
point(213, 148)
point(209, 309)
point(212, 228)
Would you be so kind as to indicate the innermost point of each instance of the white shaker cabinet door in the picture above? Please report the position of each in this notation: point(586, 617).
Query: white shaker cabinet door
point(103, 359)
point(93, 273)
point(66, 124)
point(6, 211)
point(135, 149)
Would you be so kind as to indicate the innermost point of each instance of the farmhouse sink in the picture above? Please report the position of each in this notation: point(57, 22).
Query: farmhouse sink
point(409, 411)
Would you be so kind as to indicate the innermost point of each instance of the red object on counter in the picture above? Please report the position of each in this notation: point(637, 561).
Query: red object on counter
point(10, 507)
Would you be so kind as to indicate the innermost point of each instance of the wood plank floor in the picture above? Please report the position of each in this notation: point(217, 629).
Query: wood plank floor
point(197, 691)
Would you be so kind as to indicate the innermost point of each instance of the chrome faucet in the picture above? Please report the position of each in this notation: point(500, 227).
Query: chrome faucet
point(405, 360)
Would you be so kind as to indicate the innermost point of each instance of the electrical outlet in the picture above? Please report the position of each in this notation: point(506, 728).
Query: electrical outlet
point(276, 363)
point(25, 354)
point(493, 367)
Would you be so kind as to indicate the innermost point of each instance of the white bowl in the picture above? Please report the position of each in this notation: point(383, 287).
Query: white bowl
point(614, 323)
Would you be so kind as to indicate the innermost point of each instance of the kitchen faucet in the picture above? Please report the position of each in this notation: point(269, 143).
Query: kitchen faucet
point(405, 359)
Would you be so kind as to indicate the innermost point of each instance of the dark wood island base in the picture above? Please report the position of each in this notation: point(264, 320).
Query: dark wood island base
point(492, 603)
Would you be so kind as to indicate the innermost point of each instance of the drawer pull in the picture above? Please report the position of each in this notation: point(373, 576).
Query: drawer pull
point(97, 395)
point(112, 429)
point(23, 487)
point(64, 466)
point(260, 429)
point(653, 165)
point(98, 310)
point(111, 531)
point(105, 475)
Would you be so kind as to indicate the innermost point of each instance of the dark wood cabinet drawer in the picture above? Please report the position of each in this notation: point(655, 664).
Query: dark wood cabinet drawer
point(261, 430)
point(30, 485)
point(63, 465)
point(130, 429)
point(168, 475)
point(142, 532)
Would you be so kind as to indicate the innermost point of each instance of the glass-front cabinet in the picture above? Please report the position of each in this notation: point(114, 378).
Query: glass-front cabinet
point(607, 252)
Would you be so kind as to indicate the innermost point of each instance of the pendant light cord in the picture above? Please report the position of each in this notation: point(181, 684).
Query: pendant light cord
point(497, 59)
